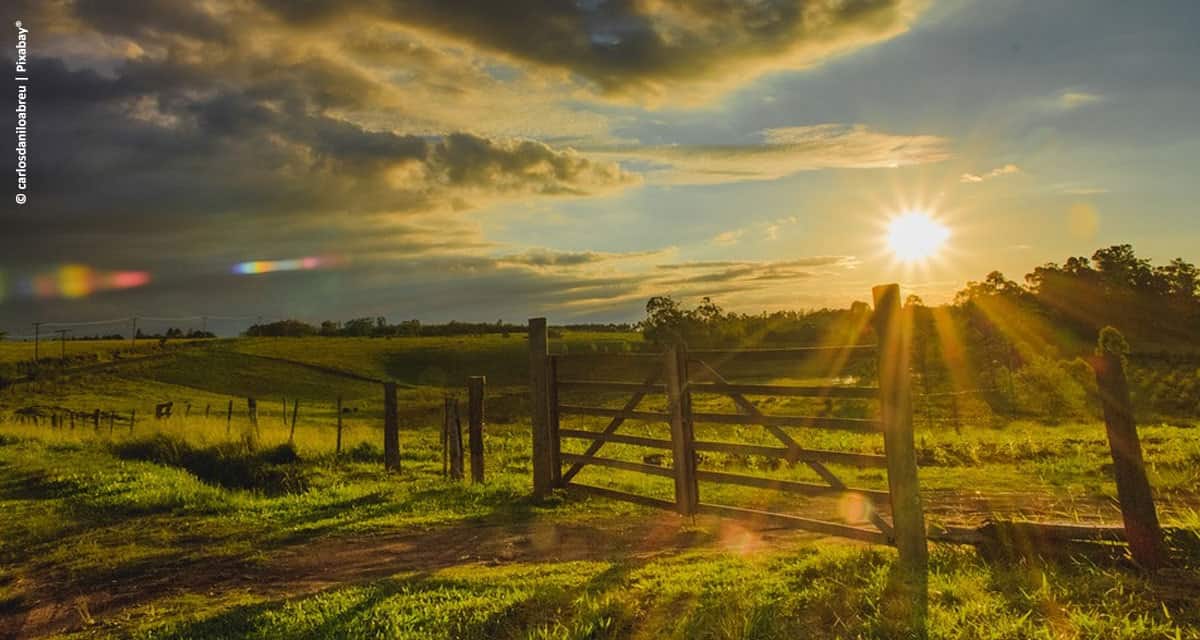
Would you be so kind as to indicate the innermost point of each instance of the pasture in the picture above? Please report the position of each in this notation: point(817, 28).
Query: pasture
point(206, 526)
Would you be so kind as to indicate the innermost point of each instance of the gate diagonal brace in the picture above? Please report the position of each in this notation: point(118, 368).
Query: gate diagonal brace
point(794, 447)
point(616, 422)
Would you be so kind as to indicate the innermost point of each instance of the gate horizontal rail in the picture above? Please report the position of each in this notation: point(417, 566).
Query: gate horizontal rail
point(841, 424)
point(795, 454)
point(615, 437)
point(791, 486)
point(780, 453)
point(866, 393)
point(624, 465)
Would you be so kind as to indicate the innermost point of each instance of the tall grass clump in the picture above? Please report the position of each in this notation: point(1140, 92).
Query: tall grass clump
point(273, 470)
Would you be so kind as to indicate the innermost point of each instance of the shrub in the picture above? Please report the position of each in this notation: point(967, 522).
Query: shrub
point(1050, 388)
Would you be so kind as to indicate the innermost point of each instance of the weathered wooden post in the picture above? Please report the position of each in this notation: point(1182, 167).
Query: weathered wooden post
point(132, 419)
point(207, 408)
point(96, 419)
point(906, 603)
point(475, 412)
point(295, 410)
point(683, 450)
point(229, 418)
point(454, 437)
point(1142, 529)
point(112, 420)
point(445, 441)
point(391, 428)
point(552, 423)
point(539, 351)
point(338, 451)
point(252, 411)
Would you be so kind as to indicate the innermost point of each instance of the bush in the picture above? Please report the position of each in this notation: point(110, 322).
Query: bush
point(1050, 389)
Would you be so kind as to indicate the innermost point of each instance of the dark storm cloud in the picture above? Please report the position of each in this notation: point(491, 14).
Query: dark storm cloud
point(631, 46)
point(151, 18)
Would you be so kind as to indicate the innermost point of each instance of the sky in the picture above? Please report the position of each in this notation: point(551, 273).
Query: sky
point(480, 160)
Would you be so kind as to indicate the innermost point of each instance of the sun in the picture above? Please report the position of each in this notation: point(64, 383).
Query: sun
point(916, 235)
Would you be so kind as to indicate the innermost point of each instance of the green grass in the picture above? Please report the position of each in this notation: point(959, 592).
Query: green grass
point(174, 508)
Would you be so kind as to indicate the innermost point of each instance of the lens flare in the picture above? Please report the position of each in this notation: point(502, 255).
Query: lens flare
point(74, 281)
point(915, 235)
point(255, 267)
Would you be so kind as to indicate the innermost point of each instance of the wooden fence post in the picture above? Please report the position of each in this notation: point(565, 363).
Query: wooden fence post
point(96, 419)
point(683, 450)
point(391, 428)
point(906, 603)
point(539, 351)
point(295, 410)
point(1142, 529)
point(454, 437)
point(475, 412)
point(338, 451)
point(445, 438)
point(132, 419)
point(252, 411)
point(229, 418)
point(555, 451)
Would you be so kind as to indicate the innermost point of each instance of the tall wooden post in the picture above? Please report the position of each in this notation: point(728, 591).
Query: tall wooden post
point(454, 437)
point(475, 412)
point(338, 450)
point(555, 451)
point(539, 351)
point(906, 604)
point(295, 411)
point(229, 418)
point(1142, 529)
point(682, 440)
point(391, 428)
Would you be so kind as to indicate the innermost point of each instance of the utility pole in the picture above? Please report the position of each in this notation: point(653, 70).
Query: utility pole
point(36, 330)
point(62, 340)
point(133, 338)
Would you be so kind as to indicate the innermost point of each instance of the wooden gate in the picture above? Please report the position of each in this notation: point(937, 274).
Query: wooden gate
point(679, 375)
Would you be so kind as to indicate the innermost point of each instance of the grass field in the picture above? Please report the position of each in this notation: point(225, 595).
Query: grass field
point(177, 529)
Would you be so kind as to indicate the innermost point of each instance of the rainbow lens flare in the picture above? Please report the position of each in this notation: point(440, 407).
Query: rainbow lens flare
point(255, 267)
point(74, 281)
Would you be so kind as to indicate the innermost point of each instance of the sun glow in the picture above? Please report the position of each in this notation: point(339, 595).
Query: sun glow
point(915, 235)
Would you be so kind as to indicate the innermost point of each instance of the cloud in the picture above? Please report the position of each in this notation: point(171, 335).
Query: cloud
point(783, 152)
point(184, 138)
point(649, 50)
point(1005, 170)
point(1070, 100)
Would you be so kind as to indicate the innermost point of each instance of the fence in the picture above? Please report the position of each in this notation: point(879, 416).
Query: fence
point(673, 373)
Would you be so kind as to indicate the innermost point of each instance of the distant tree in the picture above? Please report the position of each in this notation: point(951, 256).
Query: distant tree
point(282, 328)
point(358, 327)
